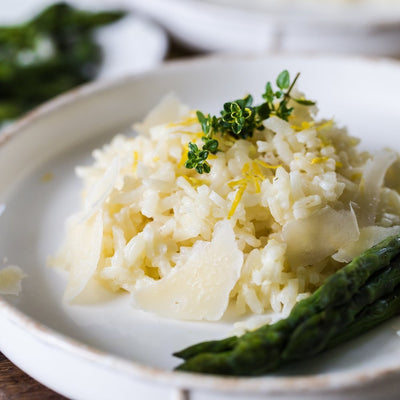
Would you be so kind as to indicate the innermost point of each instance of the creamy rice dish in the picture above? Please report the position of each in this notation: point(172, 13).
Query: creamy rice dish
point(276, 214)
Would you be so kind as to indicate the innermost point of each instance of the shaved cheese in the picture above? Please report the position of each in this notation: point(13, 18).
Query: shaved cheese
point(81, 253)
point(10, 280)
point(373, 179)
point(101, 189)
point(312, 239)
point(199, 288)
point(369, 236)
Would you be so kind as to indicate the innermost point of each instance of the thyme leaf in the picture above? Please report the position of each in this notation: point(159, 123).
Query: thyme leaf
point(240, 118)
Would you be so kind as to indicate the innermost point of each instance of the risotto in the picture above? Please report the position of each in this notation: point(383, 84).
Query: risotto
point(277, 214)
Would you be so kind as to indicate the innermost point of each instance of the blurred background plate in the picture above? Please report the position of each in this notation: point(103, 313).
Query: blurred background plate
point(361, 27)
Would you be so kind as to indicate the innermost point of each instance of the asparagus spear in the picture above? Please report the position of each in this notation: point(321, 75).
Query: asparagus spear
point(372, 315)
point(212, 346)
point(260, 351)
point(307, 340)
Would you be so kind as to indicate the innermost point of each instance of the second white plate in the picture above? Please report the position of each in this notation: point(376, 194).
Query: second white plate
point(362, 27)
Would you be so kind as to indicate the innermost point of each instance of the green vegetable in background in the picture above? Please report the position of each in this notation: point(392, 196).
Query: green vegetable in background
point(48, 55)
point(361, 295)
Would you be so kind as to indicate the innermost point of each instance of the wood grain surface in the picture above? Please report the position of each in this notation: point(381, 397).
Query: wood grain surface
point(16, 385)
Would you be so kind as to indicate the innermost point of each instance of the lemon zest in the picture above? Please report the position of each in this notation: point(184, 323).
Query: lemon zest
point(239, 182)
point(319, 160)
point(246, 168)
point(304, 125)
point(186, 122)
point(268, 166)
point(195, 182)
point(236, 200)
point(251, 174)
point(135, 160)
point(256, 183)
point(257, 171)
point(307, 125)
point(251, 170)
point(327, 124)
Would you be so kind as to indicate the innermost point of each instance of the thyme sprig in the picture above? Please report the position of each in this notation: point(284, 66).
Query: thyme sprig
point(240, 118)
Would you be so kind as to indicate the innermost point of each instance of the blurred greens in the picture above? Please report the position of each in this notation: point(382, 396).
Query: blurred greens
point(48, 55)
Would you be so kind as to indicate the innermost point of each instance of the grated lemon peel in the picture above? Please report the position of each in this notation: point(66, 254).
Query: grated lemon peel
point(252, 174)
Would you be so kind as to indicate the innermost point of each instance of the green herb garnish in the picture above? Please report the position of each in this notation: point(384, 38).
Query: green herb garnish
point(240, 118)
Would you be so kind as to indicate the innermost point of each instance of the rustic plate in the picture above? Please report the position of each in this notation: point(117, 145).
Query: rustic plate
point(107, 349)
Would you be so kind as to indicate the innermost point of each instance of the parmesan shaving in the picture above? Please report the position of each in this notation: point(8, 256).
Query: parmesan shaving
point(369, 236)
point(310, 240)
point(81, 252)
point(200, 287)
point(10, 280)
point(371, 184)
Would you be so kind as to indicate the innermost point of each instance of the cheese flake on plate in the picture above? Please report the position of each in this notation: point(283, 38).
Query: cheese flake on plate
point(10, 280)
point(369, 236)
point(199, 288)
point(310, 240)
point(81, 252)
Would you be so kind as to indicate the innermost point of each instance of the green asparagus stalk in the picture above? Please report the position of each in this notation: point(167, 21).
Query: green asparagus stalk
point(262, 350)
point(369, 318)
point(307, 340)
point(212, 346)
point(62, 17)
point(48, 55)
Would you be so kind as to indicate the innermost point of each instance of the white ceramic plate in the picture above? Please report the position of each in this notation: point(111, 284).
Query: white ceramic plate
point(109, 350)
point(369, 27)
point(133, 44)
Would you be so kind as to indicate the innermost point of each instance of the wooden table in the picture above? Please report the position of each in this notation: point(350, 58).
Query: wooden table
point(14, 383)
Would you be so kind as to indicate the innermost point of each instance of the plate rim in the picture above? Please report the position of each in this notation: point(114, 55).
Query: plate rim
point(362, 16)
point(306, 384)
